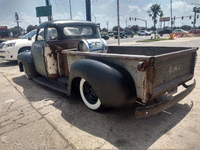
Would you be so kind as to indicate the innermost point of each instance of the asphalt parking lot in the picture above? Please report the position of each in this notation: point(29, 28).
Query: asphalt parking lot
point(35, 117)
point(112, 40)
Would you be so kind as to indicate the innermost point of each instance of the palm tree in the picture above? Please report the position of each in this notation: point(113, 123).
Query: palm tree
point(155, 10)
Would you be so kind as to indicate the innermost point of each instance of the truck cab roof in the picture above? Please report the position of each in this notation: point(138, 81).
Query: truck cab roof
point(64, 22)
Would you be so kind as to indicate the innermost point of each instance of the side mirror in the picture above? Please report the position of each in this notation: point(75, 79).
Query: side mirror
point(29, 38)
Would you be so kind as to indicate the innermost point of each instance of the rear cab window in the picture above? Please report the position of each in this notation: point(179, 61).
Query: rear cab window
point(77, 31)
point(80, 31)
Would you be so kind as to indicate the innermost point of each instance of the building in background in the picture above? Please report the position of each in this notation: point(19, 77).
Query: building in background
point(4, 32)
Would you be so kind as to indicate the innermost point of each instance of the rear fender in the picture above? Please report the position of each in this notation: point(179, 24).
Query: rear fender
point(26, 59)
point(112, 84)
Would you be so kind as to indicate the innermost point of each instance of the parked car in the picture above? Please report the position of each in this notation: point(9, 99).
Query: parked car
point(111, 34)
point(107, 76)
point(11, 48)
point(164, 31)
point(143, 33)
point(179, 31)
point(2, 41)
point(122, 35)
point(104, 36)
point(128, 33)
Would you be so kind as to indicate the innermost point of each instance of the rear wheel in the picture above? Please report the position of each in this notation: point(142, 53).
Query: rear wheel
point(89, 96)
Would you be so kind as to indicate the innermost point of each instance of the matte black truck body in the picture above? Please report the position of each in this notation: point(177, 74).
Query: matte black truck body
point(115, 76)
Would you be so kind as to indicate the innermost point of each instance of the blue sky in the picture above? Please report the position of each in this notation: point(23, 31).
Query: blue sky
point(103, 10)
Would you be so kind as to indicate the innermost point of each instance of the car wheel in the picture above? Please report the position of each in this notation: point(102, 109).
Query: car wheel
point(89, 96)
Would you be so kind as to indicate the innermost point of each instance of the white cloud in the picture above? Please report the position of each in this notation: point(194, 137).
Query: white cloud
point(104, 4)
point(103, 18)
point(181, 6)
point(147, 8)
point(134, 8)
point(60, 16)
point(80, 16)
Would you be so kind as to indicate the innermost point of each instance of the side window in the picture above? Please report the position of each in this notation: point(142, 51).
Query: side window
point(40, 36)
point(52, 34)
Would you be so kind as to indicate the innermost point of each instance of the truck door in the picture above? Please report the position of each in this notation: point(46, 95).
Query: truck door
point(52, 55)
point(37, 51)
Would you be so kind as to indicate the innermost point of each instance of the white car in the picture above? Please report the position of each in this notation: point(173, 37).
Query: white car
point(11, 48)
point(143, 33)
point(179, 31)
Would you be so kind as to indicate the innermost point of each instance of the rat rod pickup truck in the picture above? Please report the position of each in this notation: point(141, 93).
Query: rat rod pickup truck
point(71, 56)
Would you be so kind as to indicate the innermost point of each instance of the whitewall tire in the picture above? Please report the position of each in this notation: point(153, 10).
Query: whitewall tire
point(89, 96)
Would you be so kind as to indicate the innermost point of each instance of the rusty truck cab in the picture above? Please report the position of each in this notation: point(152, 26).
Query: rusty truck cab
point(54, 36)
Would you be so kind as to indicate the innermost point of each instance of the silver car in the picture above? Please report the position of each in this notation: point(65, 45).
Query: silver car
point(179, 31)
point(143, 33)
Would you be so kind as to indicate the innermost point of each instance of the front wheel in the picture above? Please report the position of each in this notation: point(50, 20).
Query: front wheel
point(89, 96)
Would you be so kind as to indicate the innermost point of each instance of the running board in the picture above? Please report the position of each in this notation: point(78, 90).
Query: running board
point(55, 85)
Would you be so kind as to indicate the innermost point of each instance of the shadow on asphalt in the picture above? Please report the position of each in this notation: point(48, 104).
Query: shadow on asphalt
point(117, 126)
point(8, 63)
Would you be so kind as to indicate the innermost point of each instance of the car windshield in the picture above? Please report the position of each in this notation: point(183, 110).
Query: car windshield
point(30, 34)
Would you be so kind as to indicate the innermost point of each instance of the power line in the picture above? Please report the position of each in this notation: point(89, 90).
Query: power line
point(70, 7)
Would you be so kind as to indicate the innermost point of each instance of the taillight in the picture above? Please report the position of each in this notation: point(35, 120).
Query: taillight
point(142, 66)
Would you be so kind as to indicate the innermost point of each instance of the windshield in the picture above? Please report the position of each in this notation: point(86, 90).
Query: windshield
point(30, 34)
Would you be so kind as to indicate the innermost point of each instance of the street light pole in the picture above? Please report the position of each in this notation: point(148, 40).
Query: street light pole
point(195, 13)
point(107, 25)
point(40, 21)
point(17, 19)
point(171, 15)
point(118, 22)
point(70, 7)
point(48, 4)
point(146, 24)
point(88, 10)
